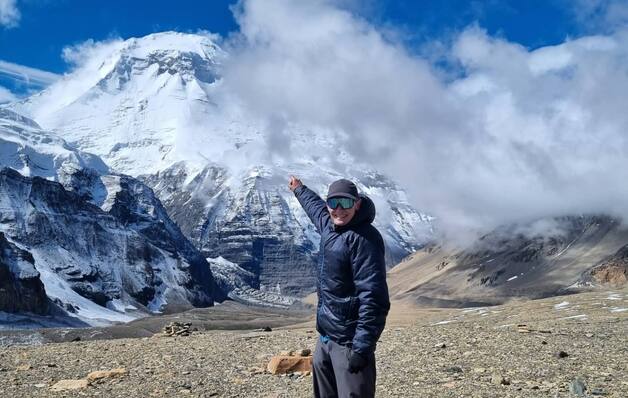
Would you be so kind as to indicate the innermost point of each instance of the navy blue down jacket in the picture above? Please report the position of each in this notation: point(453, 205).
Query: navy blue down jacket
point(352, 293)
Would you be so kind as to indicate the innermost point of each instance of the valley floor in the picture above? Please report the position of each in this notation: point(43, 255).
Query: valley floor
point(513, 350)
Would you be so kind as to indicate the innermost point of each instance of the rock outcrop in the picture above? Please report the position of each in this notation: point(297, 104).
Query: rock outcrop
point(21, 290)
point(610, 272)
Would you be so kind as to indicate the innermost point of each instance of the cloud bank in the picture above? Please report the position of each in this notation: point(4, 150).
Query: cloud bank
point(516, 134)
point(9, 14)
point(25, 74)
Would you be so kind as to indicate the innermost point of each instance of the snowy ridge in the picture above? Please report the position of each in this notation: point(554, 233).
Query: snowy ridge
point(27, 148)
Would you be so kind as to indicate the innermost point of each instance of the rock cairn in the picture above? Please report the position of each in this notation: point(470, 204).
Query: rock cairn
point(177, 329)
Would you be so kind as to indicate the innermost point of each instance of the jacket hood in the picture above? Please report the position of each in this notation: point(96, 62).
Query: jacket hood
point(366, 214)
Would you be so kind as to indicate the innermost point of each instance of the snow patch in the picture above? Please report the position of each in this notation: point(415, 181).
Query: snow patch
point(444, 322)
point(581, 317)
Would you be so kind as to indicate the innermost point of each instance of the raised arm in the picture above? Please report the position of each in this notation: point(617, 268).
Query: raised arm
point(314, 206)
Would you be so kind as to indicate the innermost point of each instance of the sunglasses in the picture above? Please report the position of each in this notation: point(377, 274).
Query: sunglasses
point(345, 203)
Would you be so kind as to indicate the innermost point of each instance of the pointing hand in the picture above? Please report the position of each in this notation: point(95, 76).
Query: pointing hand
point(294, 183)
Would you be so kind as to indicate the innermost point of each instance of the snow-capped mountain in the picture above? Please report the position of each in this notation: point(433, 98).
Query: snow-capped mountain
point(100, 246)
point(154, 108)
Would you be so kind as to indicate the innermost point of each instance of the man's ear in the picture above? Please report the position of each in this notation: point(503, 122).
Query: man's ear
point(358, 204)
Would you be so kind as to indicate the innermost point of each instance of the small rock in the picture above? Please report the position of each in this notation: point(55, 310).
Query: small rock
point(577, 387)
point(561, 354)
point(289, 353)
point(39, 385)
point(544, 342)
point(64, 385)
point(305, 352)
point(598, 392)
point(499, 380)
point(267, 329)
point(23, 368)
point(440, 345)
point(454, 369)
point(479, 370)
point(589, 335)
point(255, 371)
point(105, 374)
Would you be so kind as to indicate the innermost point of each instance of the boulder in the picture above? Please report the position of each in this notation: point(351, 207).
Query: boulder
point(281, 364)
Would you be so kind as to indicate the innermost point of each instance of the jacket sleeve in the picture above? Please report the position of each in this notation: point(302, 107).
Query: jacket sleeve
point(314, 207)
point(369, 274)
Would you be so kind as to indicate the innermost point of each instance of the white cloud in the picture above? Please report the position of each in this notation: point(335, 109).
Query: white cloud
point(600, 15)
point(521, 134)
point(6, 95)
point(9, 14)
point(29, 76)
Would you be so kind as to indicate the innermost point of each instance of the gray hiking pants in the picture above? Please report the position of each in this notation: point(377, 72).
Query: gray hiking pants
point(331, 375)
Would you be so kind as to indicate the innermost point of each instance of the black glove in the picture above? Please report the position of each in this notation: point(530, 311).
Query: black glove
point(356, 362)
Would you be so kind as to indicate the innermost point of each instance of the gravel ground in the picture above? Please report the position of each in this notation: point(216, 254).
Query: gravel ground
point(480, 352)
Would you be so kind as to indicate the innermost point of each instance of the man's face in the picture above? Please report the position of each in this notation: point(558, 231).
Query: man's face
point(340, 216)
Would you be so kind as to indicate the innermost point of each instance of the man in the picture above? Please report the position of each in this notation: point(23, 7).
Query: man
point(352, 293)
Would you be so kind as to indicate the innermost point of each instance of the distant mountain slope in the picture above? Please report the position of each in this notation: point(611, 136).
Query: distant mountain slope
point(512, 262)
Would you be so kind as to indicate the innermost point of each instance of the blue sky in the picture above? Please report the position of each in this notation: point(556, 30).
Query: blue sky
point(38, 30)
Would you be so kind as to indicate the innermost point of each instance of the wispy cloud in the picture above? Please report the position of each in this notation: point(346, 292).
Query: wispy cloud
point(6, 95)
point(27, 75)
point(9, 14)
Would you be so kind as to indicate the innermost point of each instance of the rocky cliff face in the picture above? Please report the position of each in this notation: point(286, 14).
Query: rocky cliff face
point(21, 290)
point(98, 263)
point(102, 244)
point(612, 271)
